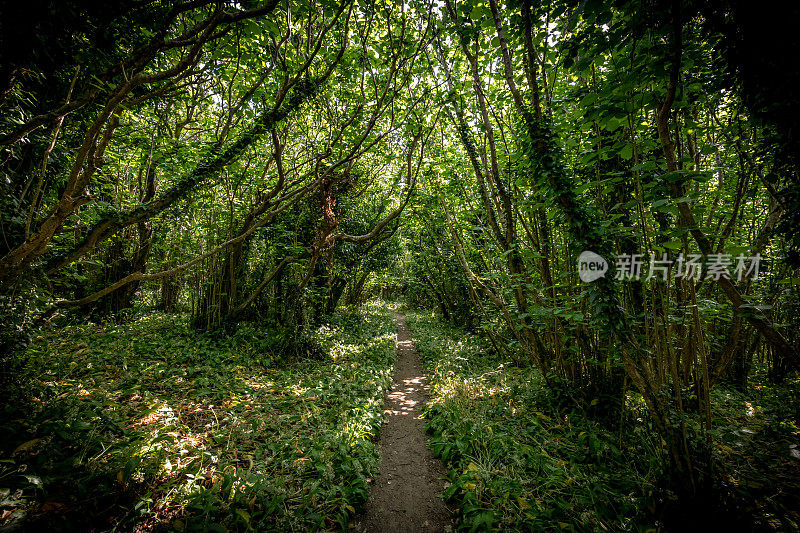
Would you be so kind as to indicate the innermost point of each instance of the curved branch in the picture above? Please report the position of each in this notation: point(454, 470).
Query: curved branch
point(264, 283)
point(212, 165)
point(141, 276)
point(412, 180)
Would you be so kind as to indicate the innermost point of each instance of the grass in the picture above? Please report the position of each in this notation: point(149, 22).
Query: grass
point(517, 461)
point(755, 435)
point(152, 425)
point(514, 464)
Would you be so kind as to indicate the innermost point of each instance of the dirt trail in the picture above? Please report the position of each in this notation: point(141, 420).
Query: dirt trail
point(405, 496)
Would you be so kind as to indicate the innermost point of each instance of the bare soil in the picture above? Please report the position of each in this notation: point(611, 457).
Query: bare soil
point(405, 496)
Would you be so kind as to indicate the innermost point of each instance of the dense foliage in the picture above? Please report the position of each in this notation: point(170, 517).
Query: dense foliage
point(191, 192)
point(519, 459)
point(148, 423)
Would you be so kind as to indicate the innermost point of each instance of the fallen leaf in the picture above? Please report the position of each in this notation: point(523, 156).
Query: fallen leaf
point(25, 446)
point(52, 507)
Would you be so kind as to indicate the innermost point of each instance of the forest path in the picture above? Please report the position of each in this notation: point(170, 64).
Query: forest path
point(405, 496)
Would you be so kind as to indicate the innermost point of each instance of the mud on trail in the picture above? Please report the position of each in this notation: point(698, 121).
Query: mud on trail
point(405, 495)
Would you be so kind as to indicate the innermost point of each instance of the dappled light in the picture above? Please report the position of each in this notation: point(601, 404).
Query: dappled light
point(419, 265)
point(168, 443)
point(400, 402)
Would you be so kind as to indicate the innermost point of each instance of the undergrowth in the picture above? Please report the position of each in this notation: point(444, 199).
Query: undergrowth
point(518, 460)
point(513, 462)
point(152, 425)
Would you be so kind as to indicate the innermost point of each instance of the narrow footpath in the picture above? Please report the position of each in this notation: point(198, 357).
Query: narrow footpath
point(405, 496)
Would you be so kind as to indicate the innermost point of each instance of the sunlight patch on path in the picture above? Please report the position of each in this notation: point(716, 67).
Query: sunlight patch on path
point(405, 496)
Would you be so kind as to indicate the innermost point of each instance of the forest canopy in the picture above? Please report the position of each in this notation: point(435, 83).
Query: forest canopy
point(603, 195)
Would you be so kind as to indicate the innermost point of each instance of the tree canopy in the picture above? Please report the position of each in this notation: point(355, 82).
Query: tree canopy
point(269, 163)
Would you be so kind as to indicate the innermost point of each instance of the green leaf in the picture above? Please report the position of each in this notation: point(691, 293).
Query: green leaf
point(589, 99)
